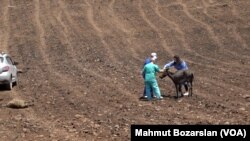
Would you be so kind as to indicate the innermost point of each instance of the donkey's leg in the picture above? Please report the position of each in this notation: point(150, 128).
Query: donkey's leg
point(177, 91)
point(186, 84)
point(180, 89)
point(191, 89)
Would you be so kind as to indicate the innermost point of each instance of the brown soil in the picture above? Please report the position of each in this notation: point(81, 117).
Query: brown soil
point(81, 62)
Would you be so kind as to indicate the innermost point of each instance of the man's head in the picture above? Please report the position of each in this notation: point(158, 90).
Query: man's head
point(153, 56)
point(177, 58)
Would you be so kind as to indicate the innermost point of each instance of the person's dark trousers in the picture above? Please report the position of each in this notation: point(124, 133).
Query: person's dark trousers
point(151, 91)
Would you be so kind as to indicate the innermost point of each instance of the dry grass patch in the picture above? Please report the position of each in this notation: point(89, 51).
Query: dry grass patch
point(17, 103)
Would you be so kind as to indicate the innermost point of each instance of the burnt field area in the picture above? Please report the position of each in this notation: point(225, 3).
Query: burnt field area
point(81, 63)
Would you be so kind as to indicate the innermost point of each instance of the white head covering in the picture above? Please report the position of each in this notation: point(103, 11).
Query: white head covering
point(154, 56)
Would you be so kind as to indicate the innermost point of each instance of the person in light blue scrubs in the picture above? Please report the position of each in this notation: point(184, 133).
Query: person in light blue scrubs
point(150, 81)
point(153, 56)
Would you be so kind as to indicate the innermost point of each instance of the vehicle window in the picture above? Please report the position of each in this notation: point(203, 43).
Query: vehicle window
point(1, 59)
point(9, 60)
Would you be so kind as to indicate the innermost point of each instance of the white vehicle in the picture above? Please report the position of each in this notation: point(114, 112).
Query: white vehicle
point(8, 71)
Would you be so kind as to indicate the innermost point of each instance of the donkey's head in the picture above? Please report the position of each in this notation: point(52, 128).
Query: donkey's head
point(164, 73)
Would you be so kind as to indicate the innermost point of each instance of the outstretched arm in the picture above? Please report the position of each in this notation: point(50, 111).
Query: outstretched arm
point(168, 65)
point(158, 69)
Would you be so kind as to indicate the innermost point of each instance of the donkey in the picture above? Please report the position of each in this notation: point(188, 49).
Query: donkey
point(181, 77)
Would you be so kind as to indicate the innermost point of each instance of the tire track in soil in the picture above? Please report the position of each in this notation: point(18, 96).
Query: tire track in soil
point(4, 43)
point(235, 34)
point(212, 35)
point(181, 33)
point(125, 28)
point(42, 47)
point(170, 34)
point(99, 31)
point(131, 16)
point(214, 82)
point(16, 94)
point(67, 76)
point(54, 22)
point(66, 38)
point(116, 21)
point(59, 129)
point(109, 78)
point(209, 59)
point(5, 29)
point(74, 30)
point(173, 26)
point(163, 42)
point(109, 24)
point(177, 28)
point(71, 51)
point(206, 26)
point(41, 32)
point(119, 89)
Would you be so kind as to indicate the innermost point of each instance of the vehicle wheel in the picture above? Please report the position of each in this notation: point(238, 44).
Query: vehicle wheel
point(9, 86)
point(15, 83)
